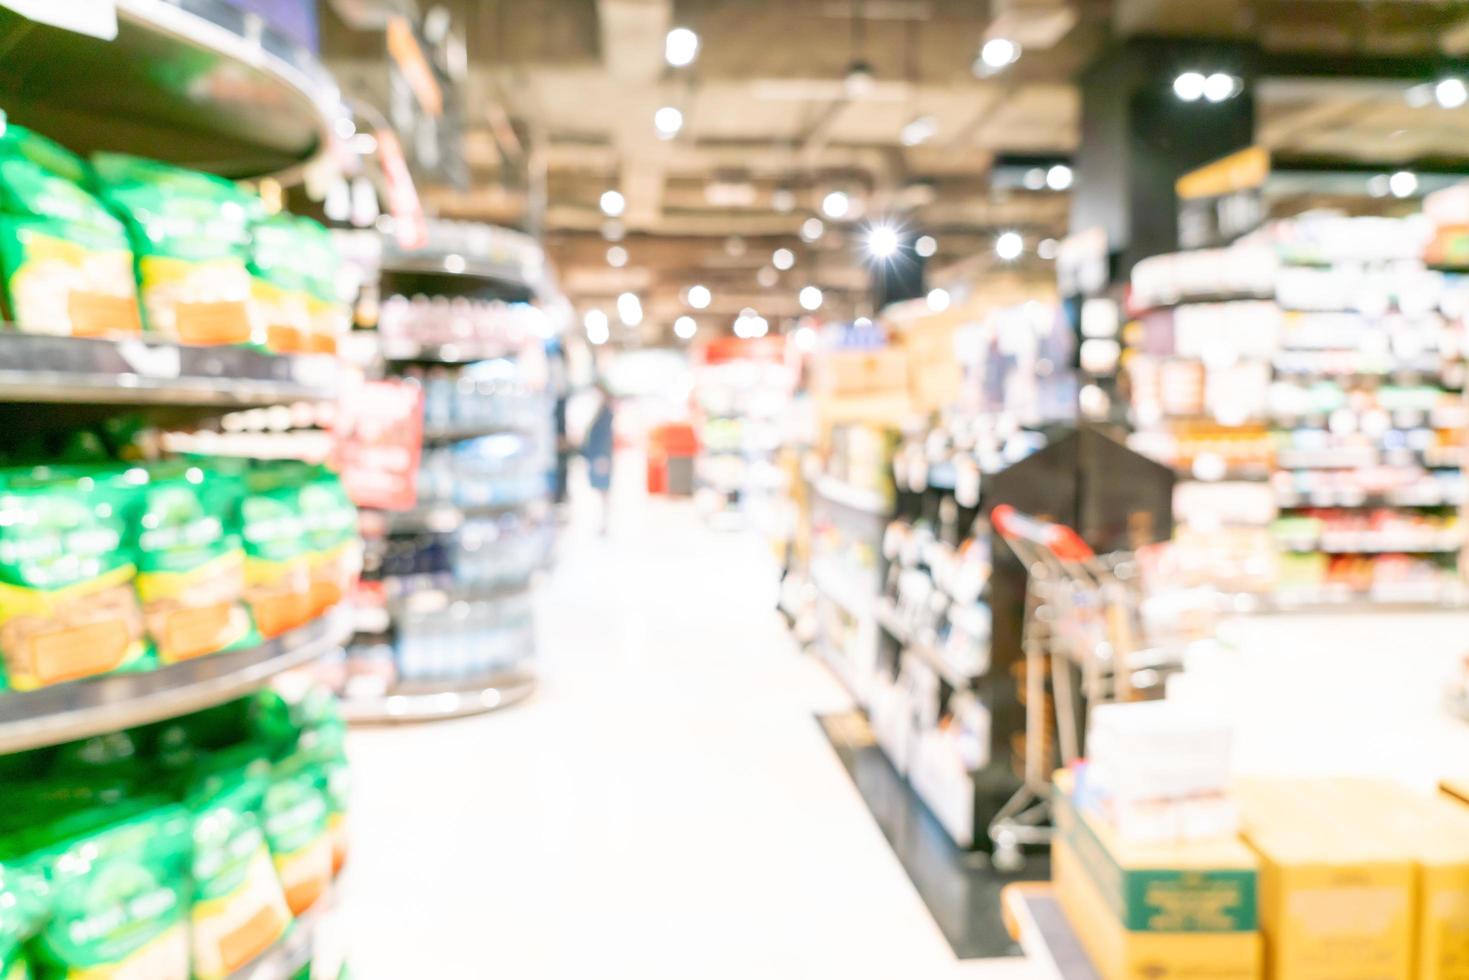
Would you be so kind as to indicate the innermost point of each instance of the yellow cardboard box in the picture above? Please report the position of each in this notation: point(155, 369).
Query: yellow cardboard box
point(1119, 954)
point(1336, 896)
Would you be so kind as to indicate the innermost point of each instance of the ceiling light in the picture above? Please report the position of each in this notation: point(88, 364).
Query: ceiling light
point(364, 144)
point(454, 264)
point(783, 199)
point(699, 297)
point(938, 300)
point(1059, 177)
point(862, 322)
point(1378, 185)
point(1403, 183)
point(630, 309)
point(783, 259)
point(1034, 179)
point(1047, 248)
point(1451, 93)
point(996, 54)
point(1219, 86)
point(1009, 245)
point(759, 326)
point(836, 204)
point(613, 203)
point(926, 246)
point(668, 121)
point(810, 298)
point(595, 322)
point(767, 277)
point(1189, 86)
point(345, 127)
point(685, 327)
point(859, 80)
point(805, 338)
point(617, 256)
point(812, 229)
point(882, 241)
point(920, 130)
point(681, 47)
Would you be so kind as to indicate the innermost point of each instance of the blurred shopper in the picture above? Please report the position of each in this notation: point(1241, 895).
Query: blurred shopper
point(597, 448)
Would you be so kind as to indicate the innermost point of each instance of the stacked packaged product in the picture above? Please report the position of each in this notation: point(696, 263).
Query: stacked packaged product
point(119, 245)
point(489, 327)
point(486, 395)
point(185, 849)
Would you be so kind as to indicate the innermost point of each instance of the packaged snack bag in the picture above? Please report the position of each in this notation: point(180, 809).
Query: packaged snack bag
point(25, 900)
point(67, 606)
point(190, 234)
point(330, 522)
point(294, 815)
point(67, 262)
point(262, 509)
point(279, 283)
point(239, 910)
point(118, 901)
point(330, 317)
point(191, 570)
point(308, 736)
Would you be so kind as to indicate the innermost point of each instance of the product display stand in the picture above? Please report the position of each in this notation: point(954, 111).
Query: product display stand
point(445, 627)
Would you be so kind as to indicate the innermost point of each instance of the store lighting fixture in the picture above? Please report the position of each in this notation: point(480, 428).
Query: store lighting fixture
point(345, 127)
point(783, 200)
point(859, 81)
point(1451, 93)
point(1378, 185)
point(938, 300)
point(749, 325)
point(926, 246)
point(617, 256)
point(862, 322)
point(1189, 86)
point(1034, 179)
point(783, 259)
point(734, 246)
point(613, 204)
point(919, 131)
point(812, 229)
point(996, 54)
point(454, 264)
point(598, 330)
point(836, 205)
point(1403, 183)
point(699, 297)
point(630, 309)
point(1009, 245)
point(810, 298)
point(1059, 177)
point(804, 338)
point(767, 277)
point(883, 242)
point(681, 47)
point(1048, 248)
point(364, 144)
point(667, 121)
point(685, 327)
point(1219, 86)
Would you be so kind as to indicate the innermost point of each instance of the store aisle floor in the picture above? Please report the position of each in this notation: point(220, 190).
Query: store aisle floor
point(665, 807)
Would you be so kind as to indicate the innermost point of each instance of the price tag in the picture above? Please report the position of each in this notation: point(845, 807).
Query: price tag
point(149, 361)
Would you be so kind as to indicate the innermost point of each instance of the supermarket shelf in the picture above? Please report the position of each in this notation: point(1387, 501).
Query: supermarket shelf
point(433, 599)
point(468, 274)
point(844, 595)
point(138, 372)
point(287, 958)
point(1049, 942)
point(452, 699)
point(412, 352)
point(459, 433)
point(1369, 544)
point(1340, 501)
point(851, 497)
point(1354, 601)
point(198, 82)
point(443, 518)
point(65, 712)
point(886, 615)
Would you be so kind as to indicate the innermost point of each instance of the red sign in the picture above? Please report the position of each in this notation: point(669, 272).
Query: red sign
point(379, 435)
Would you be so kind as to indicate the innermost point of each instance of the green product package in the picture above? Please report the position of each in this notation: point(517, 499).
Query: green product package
point(118, 898)
point(280, 288)
point(67, 261)
point(308, 736)
point(190, 235)
point(295, 817)
point(330, 522)
point(330, 317)
point(67, 605)
point(277, 556)
point(191, 570)
point(25, 901)
point(239, 910)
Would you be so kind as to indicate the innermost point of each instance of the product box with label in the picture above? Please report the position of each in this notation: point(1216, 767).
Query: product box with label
point(1336, 894)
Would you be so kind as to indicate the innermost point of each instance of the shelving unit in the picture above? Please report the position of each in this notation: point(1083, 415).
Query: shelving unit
point(457, 699)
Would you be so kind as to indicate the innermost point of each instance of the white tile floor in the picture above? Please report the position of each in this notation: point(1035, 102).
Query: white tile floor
point(665, 807)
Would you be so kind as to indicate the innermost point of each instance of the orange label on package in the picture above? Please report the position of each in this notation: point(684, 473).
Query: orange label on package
point(79, 651)
point(102, 315)
point(195, 631)
point(223, 322)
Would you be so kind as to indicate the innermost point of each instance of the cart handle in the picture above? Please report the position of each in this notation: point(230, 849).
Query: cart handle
point(1062, 541)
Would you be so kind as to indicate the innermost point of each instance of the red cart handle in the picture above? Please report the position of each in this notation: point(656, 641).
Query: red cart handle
point(1062, 541)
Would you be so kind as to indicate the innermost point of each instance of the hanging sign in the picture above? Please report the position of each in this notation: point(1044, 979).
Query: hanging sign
point(379, 437)
point(1223, 200)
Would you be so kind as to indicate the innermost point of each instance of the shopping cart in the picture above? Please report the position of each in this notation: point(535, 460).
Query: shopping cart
point(1081, 629)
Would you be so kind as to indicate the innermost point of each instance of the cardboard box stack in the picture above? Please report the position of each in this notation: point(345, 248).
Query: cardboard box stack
point(1146, 861)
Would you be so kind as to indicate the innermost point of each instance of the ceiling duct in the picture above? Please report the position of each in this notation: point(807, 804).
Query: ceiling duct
point(1035, 25)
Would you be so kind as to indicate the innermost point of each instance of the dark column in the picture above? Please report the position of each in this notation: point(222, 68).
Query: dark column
point(1137, 138)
